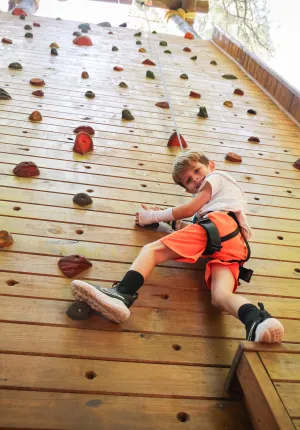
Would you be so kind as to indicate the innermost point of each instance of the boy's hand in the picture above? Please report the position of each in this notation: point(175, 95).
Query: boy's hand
point(146, 208)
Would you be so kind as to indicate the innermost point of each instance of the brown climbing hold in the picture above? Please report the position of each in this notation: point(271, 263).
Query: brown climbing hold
point(73, 265)
point(123, 85)
point(38, 93)
point(194, 58)
point(15, 66)
point(228, 103)
point(235, 158)
point(36, 24)
point(174, 141)
point(54, 45)
point(164, 105)
point(4, 95)
point(194, 95)
point(188, 35)
point(35, 116)
point(296, 164)
point(184, 76)
point(26, 169)
point(83, 41)
point(82, 199)
point(251, 111)
point(37, 82)
point(118, 68)
point(27, 27)
point(150, 74)
point(85, 75)
point(238, 91)
point(148, 62)
point(186, 49)
point(253, 139)
point(142, 50)
point(202, 112)
point(83, 143)
point(5, 40)
point(86, 129)
point(115, 48)
point(110, 32)
point(90, 95)
point(6, 239)
point(213, 63)
point(229, 76)
point(126, 114)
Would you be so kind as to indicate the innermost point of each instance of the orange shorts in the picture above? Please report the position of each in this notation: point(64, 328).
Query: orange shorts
point(191, 241)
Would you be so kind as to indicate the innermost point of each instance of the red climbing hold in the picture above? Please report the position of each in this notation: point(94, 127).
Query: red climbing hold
point(296, 164)
point(18, 11)
point(110, 32)
point(188, 36)
point(174, 141)
point(83, 41)
point(86, 129)
point(83, 143)
point(195, 95)
point(148, 62)
point(38, 93)
point(36, 24)
point(186, 49)
point(253, 139)
point(238, 91)
point(164, 105)
point(73, 264)
point(5, 40)
point(118, 68)
point(26, 169)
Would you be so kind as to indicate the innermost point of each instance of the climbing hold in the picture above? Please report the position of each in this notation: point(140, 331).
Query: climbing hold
point(139, 34)
point(15, 66)
point(83, 143)
point(167, 51)
point(174, 141)
point(28, 35)
point(54, 45)
point(22, 16)
point(163, 43)
point(253, 139)
point(126, 114)
point(154, 32)
point(35, 116)
point(229, 76)
point(114, 48)
point(110, 32)
point(86, 129)
point(142, 50)
point(138, 42)
point(164, 105)
point(148, 62)
point(238, 91)
point(118, 68)
point(123, 85)
point(85, 75)
point(194, 58)
point(189, 35)
point(84, 30)
point(150, 74)
point(213, 63)
point(27, 27)
point(186, 49)
point(79, 311)
point(54, 51)
point(83, 41)
point(37, 82)
point(123, 25)
point(195, 95)
point(296, 164)
point(251, 111)
point(228, 103)
point(76, 33)
point(104, 24)
point(82, 199)
point(202, 112)
point(36, 24)
point(5, 40)
point(58, 19)
point(26, 169)
point(235, 158)
point(4, 95)
point(38, 93)
point(184, 76)
point(84, 25)
point(90, 95)
point(73, 264)
point(6, 238)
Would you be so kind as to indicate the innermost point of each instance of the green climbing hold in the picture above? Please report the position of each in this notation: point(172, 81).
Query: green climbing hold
point(28, 35)
point(90, 95)
point(202, 112)
point(229, 76)
point(114, 48)
point(126, 114)
point(54, 51)
point(154, 32)
point(27, 27)
point(163, 43)
point(84, 25)
point(76, 33)
point(184, 76)
point(138, 42)
point(84, 30)
point(123, 85)
point(4, 95)
point(194, 58)
point(138, 34)
point(213, 63)
point(15, 66)
point(167, 51)
point(150, 74)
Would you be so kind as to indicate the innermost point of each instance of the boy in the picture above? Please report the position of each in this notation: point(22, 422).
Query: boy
point(218, 199)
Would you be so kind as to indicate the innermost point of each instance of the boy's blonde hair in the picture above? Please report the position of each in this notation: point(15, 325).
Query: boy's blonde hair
point(186, 161)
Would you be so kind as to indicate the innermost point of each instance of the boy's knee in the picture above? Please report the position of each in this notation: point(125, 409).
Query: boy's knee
point(217, 298)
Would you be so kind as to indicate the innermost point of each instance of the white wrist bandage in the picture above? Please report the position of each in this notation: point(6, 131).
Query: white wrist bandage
point(149, 217)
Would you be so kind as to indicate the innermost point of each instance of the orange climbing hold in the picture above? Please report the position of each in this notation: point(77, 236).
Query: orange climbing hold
point(188, 36)
point(83, 143)
point(194, 95)
point(83, 41)
point(174, 141)
point(118, 68)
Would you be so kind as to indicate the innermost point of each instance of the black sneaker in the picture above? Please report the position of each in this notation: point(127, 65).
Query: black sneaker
point(109, 301)
point(265, 329)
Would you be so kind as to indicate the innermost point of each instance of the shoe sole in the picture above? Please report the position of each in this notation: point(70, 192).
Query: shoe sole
point(113, 309)
point(269, 331)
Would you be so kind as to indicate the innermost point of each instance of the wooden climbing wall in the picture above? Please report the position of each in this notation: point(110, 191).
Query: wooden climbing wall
point(165, 367)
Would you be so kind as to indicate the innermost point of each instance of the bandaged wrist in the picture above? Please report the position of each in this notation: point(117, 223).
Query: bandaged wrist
point(149, 217)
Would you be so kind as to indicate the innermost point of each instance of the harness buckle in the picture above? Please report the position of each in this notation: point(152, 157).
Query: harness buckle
point(245, 274)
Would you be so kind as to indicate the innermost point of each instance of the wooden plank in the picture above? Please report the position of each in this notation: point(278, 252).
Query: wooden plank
point(261, 397)
point(282, 366)
point(289, 393)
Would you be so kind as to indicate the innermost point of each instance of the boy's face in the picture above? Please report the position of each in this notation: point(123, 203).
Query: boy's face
point(193, 177)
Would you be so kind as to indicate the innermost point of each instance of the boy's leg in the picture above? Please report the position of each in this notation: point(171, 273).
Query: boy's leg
point(114, 302)
point(260, 326)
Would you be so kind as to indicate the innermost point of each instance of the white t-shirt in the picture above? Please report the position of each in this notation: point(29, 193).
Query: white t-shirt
point(226, 196)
